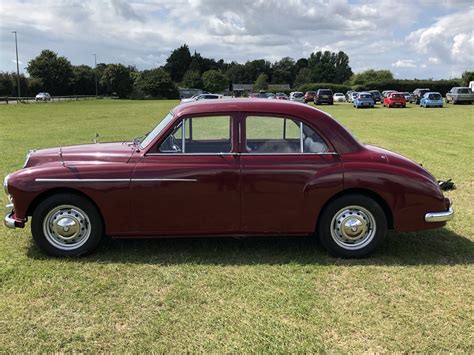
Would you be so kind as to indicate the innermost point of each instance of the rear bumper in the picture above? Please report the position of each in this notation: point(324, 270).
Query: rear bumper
point(440, 216)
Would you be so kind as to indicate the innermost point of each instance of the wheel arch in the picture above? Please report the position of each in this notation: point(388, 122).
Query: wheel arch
point(60, 190)
point(366, 192)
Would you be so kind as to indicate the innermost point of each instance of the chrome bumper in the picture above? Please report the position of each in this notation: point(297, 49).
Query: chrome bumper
point(440, 216)
point(9, 221)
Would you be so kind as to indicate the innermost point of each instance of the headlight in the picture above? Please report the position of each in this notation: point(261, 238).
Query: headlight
point(5, 184)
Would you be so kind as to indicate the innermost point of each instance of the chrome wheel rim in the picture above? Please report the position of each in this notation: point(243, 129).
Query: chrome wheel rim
point(353, 227)
point(67, 227)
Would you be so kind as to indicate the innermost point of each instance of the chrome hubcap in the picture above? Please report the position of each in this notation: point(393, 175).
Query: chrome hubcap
point(67, 227)
point(353, 227)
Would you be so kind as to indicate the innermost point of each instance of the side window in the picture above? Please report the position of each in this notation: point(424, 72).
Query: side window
point(277, 135)
point(202, 135)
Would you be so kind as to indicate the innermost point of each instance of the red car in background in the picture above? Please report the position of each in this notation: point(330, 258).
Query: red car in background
point(309, 96)
point(246, 167)
point(395, 99)
point(281, 96)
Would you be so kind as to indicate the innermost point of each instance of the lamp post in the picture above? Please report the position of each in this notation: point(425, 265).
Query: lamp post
point(17, 67)
point(95, 72)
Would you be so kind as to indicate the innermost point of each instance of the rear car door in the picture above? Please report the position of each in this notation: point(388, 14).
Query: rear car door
point(288, 172)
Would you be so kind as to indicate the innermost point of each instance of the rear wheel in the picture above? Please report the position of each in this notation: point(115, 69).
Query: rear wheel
point(67, 225)
point(352, 226)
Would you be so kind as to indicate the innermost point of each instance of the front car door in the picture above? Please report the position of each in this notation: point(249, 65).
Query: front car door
point(288, 172)
point(189, 183)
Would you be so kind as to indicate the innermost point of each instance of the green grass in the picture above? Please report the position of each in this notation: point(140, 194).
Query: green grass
point(266, 294)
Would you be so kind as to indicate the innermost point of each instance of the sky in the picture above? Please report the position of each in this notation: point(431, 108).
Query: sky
point(413, 38)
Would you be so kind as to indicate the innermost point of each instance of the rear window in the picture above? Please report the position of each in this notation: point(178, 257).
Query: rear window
point(464, 91)
point(298, 94)
point(365, 96)
point(325, 92)
point(434, 96)
point(398, 96)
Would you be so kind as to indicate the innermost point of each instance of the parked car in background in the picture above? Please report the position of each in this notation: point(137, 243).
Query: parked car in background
point(394, 99)
point(297, 96)
point(270, 95)
point(364, 99)
point(386, 92)
point(459, 95)
point(281, 96)
point(43, 96)
point(408, 97)
point(339, 97)
point(418, 94)
point(305, 176)
point(431, 99)
point(324, 96)
point(309, 96)
point(353, 96)
point(201, 97)
point(376, 95)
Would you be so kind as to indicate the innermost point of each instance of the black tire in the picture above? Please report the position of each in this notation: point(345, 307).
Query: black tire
point(80, 215)
point(364, 209)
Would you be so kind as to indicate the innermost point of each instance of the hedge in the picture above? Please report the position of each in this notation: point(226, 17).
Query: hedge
point(315, 86)
point(442, 86)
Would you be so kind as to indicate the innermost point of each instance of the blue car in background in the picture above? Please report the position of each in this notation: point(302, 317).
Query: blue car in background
point(364, 99)
point(431, 99)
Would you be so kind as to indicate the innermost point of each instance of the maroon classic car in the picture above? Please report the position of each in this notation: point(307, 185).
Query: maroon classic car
point(228, 168)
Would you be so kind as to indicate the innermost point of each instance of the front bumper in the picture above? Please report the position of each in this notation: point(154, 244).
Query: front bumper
point(440, 216)
point(8, 220)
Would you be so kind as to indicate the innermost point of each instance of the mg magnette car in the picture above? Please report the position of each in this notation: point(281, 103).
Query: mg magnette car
point(239, 168)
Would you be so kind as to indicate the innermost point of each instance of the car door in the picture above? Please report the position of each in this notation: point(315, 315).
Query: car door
point(288, 172)
point(190, 182)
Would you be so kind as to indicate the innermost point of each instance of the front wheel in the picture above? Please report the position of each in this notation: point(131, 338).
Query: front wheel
point(67, 225)
point(352, 226)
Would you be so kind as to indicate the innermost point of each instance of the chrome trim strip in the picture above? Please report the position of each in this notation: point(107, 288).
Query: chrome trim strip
point(243, 154)
point(81, 180)
point(301, 138)
point(440, 216)
point(150, 180)
point(114, 180)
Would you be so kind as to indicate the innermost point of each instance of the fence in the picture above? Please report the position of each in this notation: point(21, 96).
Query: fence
point(29, 99)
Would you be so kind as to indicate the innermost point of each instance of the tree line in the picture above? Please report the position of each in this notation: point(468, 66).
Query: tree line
point(55, 74)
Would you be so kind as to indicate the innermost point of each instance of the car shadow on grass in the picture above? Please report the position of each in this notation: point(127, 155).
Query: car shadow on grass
point(438, 247)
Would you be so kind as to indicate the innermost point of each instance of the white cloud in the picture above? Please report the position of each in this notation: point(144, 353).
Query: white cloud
point(144, 32)
point(449, 39)
point(404, 63)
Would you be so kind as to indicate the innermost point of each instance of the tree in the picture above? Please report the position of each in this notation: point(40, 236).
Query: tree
point(284, 71)
point(157, 83)
point(192, 79)
point(303, 77)
point(116, 80)
point(467, 77)
point(6, 84)
point(371, 75)
point(214, 81)
point(178, 63)
point(329, 67)
point(83, 81)
point(262, 82)
point(54, 72)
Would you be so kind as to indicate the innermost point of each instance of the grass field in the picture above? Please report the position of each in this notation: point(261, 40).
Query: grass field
point(265, 294)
